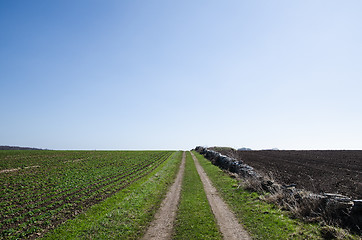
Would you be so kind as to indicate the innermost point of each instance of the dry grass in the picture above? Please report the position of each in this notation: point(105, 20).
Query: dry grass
point(300, 203)
point(329, 232)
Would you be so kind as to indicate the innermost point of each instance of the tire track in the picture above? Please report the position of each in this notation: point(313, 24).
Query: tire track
point(228, 224)
point(162, 226)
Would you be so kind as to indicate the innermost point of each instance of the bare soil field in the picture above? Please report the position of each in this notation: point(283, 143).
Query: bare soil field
point(328, 171)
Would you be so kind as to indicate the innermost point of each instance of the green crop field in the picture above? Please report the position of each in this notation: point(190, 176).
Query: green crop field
point(115, 195)
point(42, 189)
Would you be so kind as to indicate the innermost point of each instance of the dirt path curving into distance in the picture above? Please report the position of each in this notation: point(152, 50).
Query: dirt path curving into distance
point(162, 226)
point(227, 222)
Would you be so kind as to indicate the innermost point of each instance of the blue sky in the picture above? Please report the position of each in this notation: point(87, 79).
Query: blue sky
point(92, 74)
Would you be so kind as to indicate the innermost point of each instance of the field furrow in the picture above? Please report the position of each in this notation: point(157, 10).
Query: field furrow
point(38, 199)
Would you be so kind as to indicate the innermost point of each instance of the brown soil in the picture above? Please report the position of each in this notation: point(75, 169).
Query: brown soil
point(162, 226)
point(227, 222)
point(17, 169)
point(77, 160)
point(317, 171)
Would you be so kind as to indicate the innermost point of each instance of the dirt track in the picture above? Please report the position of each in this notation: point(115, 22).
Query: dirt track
point(162, 226)
point(227, 222)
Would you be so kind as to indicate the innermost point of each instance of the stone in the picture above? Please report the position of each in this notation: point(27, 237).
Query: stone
point(357, 206)
point(338, 197)
point(357, 203)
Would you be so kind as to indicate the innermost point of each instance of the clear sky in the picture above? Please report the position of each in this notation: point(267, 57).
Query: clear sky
point(92, 74)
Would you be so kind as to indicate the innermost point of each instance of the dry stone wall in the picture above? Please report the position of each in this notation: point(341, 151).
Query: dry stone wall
point(334, 208)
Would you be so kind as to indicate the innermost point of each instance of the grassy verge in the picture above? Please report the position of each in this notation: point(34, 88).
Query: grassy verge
point(126, 214)
point(195, 219)
point(262, 220)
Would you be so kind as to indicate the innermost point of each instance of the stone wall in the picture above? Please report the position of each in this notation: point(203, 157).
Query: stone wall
point(331, 207)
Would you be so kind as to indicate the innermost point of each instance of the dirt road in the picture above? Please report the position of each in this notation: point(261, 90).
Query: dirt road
point(162, 226)
point(228, 224)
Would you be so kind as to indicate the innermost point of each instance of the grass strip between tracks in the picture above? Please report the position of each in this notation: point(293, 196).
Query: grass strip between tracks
point(262, 220)
point(195, 219)
point(125, 215)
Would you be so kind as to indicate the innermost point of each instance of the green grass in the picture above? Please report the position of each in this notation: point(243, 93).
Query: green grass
point(64, 183)
point(126, 214)
point(195, 219)
point(262, 220)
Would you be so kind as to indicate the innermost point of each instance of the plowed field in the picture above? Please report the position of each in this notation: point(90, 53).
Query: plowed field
point(318, 171)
